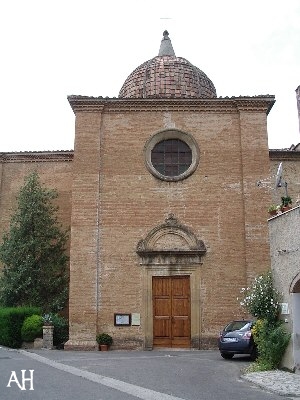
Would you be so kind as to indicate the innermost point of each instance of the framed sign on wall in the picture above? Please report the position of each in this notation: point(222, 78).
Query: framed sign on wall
point(122, 319)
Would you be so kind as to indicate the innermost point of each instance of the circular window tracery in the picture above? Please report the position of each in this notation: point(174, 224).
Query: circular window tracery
point(171, 155)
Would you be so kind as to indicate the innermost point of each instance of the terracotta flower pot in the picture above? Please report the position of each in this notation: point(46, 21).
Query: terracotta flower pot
point(273, 212)
point(103, 347)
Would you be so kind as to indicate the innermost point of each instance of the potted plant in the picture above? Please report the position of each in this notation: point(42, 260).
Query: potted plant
point(104, 340)
point(286, 203)
point(273, 209)
point(47, 320)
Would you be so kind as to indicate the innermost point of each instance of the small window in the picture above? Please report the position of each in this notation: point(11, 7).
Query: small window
point(171, 157)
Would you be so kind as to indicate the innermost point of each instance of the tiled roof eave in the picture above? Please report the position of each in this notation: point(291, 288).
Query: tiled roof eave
point(283, 155)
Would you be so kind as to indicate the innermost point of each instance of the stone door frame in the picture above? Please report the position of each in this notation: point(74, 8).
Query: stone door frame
point(171, 249)
point(195, 280)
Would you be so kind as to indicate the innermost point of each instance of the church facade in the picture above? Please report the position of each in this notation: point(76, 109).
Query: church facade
point(167, 220)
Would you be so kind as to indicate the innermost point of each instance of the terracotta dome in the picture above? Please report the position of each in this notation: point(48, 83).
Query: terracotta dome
point(167, 76)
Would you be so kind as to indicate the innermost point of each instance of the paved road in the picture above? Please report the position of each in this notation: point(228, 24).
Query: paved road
point(125, 375)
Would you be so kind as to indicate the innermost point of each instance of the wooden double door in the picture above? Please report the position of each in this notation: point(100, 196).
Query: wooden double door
point(171, 311)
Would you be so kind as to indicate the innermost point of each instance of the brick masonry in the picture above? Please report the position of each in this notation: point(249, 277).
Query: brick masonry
point(112, 201)
point(116, 202)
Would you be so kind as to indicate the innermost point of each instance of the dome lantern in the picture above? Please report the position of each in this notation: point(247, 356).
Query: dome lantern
point(166, 48)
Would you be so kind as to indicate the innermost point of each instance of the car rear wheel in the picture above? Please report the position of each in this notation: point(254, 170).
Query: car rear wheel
point(227, 356)
point(254, 354)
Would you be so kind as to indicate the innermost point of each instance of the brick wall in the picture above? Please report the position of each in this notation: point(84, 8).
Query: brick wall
point(291, 172)
point(218, 203)
point(55, 171)
point(112, 201)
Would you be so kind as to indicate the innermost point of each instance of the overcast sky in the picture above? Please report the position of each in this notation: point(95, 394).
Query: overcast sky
point(52, 49)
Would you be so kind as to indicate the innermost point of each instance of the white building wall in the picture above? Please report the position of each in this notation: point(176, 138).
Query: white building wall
point(284, 233)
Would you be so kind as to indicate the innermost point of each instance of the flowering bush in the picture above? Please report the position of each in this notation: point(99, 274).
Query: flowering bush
point(261, 299)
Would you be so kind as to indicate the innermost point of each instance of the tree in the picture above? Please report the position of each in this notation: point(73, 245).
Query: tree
point(33, 251)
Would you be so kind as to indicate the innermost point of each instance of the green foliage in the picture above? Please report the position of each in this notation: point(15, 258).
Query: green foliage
point(61, 329)
point(32, 328)
point(33, 252)
point(261, 299)
point(104, 338)
point(47, 319)
point(269, 333)
point(286, 200)
point(271, 341)
point(11, 321)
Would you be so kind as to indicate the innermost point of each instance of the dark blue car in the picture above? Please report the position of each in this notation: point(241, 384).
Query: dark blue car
point(237, 338)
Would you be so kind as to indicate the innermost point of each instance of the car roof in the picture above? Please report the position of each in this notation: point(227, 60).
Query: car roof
point(242, 320)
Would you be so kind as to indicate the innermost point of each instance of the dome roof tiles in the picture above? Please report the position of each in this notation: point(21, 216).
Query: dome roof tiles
point(167, 76)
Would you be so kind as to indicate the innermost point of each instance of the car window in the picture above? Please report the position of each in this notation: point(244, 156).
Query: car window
point(238, 326)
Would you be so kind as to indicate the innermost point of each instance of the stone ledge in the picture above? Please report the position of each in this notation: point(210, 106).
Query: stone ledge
point(81, 345)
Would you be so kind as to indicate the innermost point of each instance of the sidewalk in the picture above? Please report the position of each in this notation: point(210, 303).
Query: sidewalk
point(280, 382)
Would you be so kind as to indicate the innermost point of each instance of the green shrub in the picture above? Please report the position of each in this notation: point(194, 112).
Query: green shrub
point(61, 329)
point(261, 300)
point(271, 341)
point(11, 321)
point(104, 338)
point(32, 328)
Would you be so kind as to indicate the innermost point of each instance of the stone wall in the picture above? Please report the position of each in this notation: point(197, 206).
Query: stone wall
point(285, 250)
